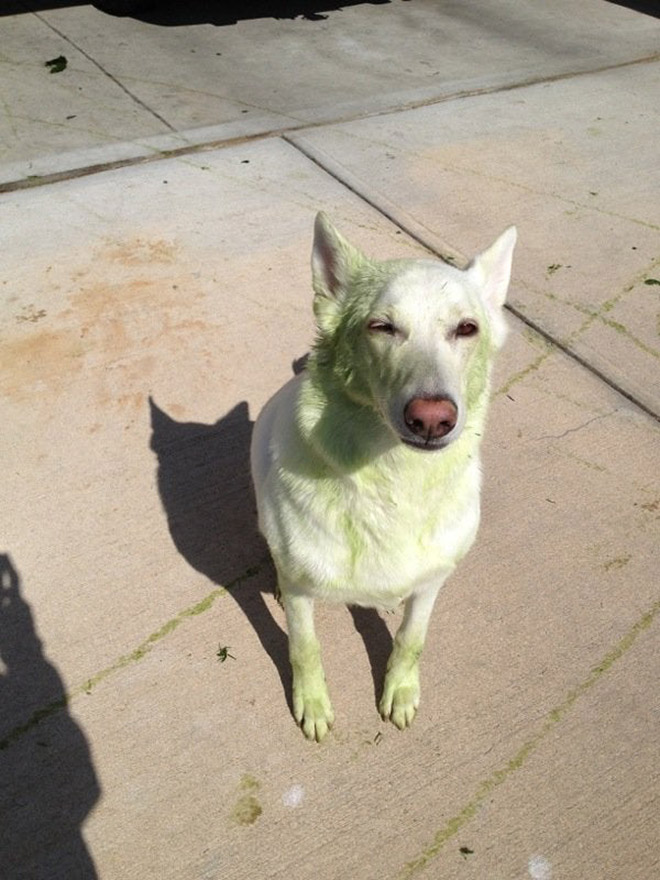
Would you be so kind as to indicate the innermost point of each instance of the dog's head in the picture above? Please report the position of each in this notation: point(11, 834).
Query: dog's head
point(413, 339)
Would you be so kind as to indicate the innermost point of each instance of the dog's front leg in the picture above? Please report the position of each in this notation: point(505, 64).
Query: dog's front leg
point(400, 699)
point(311, 701)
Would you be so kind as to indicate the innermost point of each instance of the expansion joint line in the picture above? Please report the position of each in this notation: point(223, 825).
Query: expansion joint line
point(105, 72)
point(571, 353)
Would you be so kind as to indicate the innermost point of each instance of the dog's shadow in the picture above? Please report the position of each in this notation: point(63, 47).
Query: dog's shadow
point(206, 490)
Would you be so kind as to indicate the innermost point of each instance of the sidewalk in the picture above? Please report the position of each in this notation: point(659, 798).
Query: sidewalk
point(150, 310)
point(136, 88)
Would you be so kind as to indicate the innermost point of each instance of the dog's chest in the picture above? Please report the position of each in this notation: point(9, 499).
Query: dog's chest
point(370, 541)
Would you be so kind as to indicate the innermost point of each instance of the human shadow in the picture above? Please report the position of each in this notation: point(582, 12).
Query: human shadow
point(206, 490)
point(48, 784)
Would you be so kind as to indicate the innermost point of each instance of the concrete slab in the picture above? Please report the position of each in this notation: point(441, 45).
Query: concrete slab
point(209, 65)
point(573, 164)
point(131, 747)
point(583, 788)
point(46, 113)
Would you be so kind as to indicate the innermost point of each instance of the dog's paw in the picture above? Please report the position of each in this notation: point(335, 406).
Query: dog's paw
point(400, 699)
point(312, 709)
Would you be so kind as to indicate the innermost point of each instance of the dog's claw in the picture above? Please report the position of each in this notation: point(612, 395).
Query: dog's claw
point(316, 728)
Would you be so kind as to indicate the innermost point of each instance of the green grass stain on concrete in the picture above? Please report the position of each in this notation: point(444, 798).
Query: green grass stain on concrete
point(523, 374)
point(518, 761)
point(34, 719)
point(617, 562)
point(591, 316)
point(592, 465)
point(247, 808)
point(620, 328)
point(545, 349)
point(126, 660)
point(599, 314)
point(534, 338)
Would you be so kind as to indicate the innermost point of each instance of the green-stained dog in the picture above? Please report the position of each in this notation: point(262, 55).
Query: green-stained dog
point(366, 466)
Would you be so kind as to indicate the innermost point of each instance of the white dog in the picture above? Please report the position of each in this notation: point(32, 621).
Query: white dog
point(366, 466)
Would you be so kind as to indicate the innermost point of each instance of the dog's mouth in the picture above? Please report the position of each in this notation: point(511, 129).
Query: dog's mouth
point(427, 445)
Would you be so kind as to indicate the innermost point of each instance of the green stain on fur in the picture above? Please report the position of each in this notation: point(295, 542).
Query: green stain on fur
point(478, 372)
point(354, 538)
point(339, 359)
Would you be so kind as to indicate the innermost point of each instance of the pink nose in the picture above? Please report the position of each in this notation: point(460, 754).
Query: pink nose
point(431, 418)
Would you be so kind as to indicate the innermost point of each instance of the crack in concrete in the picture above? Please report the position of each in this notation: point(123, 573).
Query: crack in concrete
point(105, 72)
point(579, 427)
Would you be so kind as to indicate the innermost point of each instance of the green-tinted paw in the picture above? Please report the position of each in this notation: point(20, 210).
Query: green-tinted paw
point(312, 708)
point(400, 699)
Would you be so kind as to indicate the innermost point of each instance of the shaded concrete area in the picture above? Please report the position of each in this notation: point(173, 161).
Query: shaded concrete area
point(149, 311)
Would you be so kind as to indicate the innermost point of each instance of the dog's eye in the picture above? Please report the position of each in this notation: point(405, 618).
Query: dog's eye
point(386, 327)
point(467, 328)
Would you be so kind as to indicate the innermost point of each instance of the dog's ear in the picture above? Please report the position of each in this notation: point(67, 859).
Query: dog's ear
point(491, 269)
point(333, 259)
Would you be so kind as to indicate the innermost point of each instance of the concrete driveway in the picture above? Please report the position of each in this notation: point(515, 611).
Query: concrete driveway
point(156, 204)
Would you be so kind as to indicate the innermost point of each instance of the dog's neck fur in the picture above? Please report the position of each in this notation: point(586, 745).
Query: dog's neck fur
point(349, 438)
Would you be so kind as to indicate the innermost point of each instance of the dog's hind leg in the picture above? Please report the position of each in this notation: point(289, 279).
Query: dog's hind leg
point(311, 701)
point(400, 699)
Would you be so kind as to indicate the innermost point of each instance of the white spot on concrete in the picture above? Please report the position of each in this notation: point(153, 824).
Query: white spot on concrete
point(293, 797)
point(539, 868)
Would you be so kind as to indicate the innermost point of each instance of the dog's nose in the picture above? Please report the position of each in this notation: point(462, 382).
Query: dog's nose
point(431, 418)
